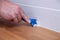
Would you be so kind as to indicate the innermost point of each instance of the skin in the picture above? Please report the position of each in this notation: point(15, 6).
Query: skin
point(12, 12)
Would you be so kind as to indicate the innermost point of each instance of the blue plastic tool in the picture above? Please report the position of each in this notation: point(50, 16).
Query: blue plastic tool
point(33, 22)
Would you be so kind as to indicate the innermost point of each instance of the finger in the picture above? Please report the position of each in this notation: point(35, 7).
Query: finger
point(18, 17)
point(24, 16)
point(14, 19)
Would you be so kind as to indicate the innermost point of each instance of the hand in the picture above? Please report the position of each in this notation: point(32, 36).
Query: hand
point(12, 12)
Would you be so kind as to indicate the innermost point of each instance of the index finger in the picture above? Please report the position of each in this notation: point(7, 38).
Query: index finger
point(24, 16)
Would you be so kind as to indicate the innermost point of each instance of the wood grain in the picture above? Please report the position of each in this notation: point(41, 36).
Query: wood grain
point(26, 32)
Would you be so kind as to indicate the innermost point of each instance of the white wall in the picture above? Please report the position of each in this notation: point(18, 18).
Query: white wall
point(46, 11)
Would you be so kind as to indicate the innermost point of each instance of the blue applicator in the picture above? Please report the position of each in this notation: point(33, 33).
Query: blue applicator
point(33, 22)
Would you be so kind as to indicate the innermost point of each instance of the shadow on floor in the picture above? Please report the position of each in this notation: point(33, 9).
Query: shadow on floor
point(5, 24)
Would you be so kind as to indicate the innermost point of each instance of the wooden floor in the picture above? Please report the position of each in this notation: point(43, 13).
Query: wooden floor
point(26, 32)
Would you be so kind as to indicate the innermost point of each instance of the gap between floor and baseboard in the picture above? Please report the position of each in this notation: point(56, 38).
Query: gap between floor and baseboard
point(49, 29)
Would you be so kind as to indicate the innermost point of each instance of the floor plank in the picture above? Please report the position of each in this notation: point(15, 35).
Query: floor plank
point(27, 32)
